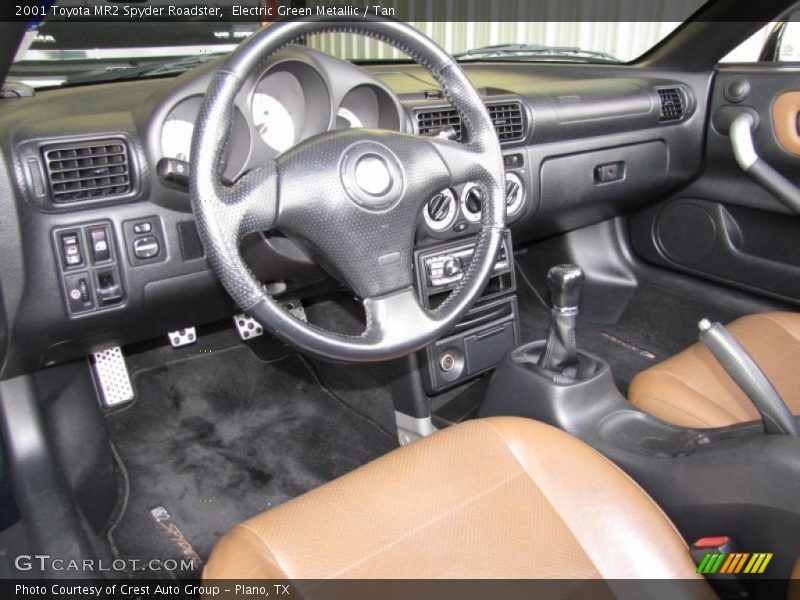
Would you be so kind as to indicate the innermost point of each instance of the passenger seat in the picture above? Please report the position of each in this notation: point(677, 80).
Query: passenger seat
point(691, 389)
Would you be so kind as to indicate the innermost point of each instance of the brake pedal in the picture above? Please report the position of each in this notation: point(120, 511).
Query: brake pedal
point(247, 327)
point(299, 313)
point(182, 337)
point(113, 379)
point(295, 308)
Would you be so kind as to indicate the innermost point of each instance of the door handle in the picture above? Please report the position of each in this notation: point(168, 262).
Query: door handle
point(750, 162)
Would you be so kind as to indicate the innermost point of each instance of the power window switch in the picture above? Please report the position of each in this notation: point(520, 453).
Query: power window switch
point(99, 244)
point(79, 292)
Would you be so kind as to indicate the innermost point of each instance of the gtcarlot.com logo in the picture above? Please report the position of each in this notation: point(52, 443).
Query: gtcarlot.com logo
point(46, 563)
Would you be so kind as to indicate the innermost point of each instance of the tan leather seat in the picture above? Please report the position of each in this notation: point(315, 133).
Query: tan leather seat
point(492, 498)
point(691, 389)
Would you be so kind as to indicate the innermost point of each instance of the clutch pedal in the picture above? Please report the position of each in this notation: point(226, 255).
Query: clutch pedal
point(113, 379)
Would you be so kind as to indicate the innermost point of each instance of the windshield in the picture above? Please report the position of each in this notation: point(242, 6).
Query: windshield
point(68, 47)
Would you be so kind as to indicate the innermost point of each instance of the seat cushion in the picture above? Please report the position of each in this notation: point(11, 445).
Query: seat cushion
point(691, 389)
point(492, 498)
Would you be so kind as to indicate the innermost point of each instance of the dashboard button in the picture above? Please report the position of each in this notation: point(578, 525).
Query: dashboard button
point(143, 227)
point(146, 247)
point(79, 293)
point(100, 249)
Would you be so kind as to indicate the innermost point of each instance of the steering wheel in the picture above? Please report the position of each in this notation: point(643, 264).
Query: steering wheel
point(352, 196)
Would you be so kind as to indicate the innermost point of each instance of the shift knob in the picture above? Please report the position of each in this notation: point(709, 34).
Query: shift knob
point(565, 285)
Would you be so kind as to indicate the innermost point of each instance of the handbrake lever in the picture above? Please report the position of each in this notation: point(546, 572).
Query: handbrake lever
point(738, 363)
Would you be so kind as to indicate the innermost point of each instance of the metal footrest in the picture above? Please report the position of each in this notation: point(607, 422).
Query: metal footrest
point(111, 374)
point(247, 327)
point(182, 337)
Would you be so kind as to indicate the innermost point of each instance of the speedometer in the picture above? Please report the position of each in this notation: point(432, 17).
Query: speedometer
point(279, 110)
point(273, 122)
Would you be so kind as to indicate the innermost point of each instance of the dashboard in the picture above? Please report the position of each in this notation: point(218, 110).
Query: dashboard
point(98, 236)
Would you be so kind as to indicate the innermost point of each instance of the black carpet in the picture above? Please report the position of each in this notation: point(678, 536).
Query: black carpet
point(657, 323)
point(221, 436)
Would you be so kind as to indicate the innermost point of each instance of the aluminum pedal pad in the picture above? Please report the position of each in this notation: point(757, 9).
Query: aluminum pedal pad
point(113, 379)
point(247, 327)
point(182, 337)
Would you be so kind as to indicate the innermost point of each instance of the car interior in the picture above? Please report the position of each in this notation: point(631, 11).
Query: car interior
point(290, 316)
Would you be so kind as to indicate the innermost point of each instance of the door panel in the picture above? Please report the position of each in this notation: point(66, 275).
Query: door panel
point(724, 226)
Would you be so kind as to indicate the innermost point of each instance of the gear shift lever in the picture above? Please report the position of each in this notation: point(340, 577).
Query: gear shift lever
point(561, 352)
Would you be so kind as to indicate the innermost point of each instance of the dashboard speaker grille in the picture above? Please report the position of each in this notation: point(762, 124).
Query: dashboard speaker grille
point(94, 170)
point(672, 104)
point(508, 119)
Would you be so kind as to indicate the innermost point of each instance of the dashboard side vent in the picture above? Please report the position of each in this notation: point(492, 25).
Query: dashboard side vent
point(93, 170)
point(508, 119)
point(673, 104)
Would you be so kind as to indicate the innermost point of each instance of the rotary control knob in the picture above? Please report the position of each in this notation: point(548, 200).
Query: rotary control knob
point(474, 199)
point(451, 266)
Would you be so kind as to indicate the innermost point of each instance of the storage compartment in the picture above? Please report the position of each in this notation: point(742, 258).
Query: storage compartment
point(485, 349)
point(575, 187)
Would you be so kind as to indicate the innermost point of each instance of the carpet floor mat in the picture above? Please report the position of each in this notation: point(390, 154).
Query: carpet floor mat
point(219, 437)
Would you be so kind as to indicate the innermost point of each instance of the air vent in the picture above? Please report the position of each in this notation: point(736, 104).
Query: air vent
point(673, 104)
point(508, 119)
point(96, 170)
point(431, 121)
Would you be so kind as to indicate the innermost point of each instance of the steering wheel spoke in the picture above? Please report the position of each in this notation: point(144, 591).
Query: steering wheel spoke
point(464, 162)
point(254, 199)
point(391, 317)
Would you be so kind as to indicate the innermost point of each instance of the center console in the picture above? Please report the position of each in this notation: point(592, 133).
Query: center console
point(486, 333)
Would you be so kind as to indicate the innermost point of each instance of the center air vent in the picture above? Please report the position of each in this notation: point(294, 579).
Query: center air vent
point(94, 170)
point(508, 119)
point(673, 105)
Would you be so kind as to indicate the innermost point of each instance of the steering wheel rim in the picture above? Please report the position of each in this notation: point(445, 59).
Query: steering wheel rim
point(277, 195)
